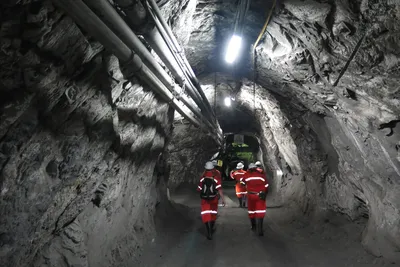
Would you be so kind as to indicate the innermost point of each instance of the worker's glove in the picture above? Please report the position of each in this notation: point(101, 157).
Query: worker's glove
point(262, 195)
point(242, 183)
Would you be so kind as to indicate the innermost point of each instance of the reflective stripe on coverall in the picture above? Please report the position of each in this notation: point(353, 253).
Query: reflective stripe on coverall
point(209, 208)
point(255, 182)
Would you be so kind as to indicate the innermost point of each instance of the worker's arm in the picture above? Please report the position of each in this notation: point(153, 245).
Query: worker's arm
point(200, 185)
point(242, 180)
point(220, 191)
point(266, 184)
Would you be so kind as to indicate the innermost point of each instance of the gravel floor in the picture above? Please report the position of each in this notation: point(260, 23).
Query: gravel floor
point(287, 241)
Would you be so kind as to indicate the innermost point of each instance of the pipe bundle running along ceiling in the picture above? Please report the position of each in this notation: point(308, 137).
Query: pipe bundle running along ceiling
point(104, 22)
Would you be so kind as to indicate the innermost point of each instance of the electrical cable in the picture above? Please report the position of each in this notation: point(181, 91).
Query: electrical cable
point(255, 52)
point(265, 26)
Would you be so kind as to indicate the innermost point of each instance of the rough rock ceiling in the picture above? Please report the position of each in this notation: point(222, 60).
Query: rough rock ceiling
point(306, 46)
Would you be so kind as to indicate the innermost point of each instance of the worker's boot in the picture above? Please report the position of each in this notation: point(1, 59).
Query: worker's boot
point(209, 230)
point(240, 202)
point(253, 224)
point(260, 230)
point(212, 223)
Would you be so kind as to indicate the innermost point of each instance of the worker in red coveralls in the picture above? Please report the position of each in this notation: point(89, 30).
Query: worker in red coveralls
point(210, 189)
point(257, 187)
point(239, 188)
point(259, 167)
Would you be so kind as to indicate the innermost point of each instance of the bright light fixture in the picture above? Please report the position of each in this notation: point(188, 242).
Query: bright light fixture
point(234, 46)
point(279, 173)
point(227, 101)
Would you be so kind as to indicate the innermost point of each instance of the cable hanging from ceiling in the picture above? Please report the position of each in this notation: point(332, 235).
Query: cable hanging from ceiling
point(255, 51)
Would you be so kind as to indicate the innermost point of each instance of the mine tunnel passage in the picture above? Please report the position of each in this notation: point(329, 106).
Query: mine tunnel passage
point(111, 109)
point(291, 155)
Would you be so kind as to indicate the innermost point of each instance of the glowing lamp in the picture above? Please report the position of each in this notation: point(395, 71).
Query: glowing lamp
point(234, 46)
point(227, 101)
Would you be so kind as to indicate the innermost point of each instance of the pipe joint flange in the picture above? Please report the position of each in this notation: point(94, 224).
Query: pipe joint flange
point(171, 101)
point(132, 66)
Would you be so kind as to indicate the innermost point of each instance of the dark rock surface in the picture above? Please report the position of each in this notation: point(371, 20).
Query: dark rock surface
point(188, 151)
point(79, 146)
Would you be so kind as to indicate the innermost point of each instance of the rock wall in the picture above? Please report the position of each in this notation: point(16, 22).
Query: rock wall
point(342, 62)
point(337, 161)
point(188, 151)
point(80, 146)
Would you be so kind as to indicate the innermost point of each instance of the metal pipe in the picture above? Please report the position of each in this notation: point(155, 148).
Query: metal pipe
point(191, 83)
point(134, 10)
point(114, 21)
point(164, 53)
point(92, 24)
point(108, 14)
point(179, 51)
point(160, 42)
point(155, 83)
point(153, 38)
point(106, 37)
point(157, 42)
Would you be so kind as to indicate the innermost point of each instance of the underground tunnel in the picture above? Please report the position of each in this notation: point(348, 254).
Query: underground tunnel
point(110, 110)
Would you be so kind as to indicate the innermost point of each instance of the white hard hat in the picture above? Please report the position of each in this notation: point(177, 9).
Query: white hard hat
point(252, 166)
point(215, 162)
point(240, 165)
point(258, 163)
point(209, 165)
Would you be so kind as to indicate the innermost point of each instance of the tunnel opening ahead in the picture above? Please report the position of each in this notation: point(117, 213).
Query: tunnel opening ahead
point(238, 148)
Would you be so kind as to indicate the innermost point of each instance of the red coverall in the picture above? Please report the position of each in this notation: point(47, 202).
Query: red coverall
point(237, 176)
point(209, 208)
point(260, 170)
point(218, 176)
point(255, 182)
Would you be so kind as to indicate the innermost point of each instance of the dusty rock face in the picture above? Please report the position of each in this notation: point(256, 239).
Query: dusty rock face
point(79, 146)
point(179, 15)
point(365, 102)
point(188, 151)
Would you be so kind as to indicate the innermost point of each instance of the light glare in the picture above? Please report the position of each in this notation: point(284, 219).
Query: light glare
point(234, 47)
point(227, 101)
